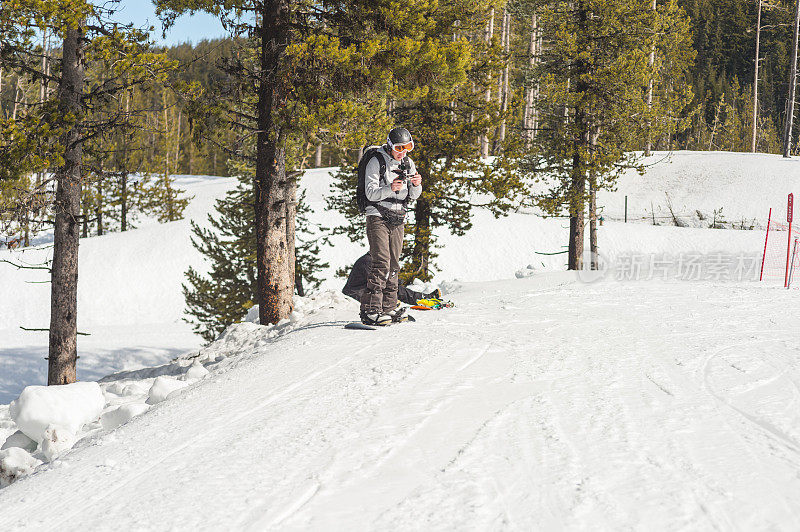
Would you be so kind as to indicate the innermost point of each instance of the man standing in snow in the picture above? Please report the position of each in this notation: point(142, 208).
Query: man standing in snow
point(387, 198)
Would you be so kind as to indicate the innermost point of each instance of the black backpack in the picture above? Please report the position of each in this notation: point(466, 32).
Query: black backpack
point(361, 195)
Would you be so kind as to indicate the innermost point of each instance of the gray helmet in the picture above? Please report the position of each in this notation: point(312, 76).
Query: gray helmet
point(399, 135)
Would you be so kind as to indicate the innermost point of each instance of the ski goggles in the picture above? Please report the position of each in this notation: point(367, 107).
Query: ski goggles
point(408, 146)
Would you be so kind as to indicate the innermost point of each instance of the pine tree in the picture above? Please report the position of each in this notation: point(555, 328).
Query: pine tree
point(440, 97)
point(223, 296)
point(61, 125)
point(595, 77)
point(229, 291)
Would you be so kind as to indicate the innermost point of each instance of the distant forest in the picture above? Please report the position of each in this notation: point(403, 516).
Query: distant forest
point(721, 75)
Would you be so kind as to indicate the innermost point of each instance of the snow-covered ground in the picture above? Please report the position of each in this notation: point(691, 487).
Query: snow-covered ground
point(129, 299)
point(742, 186)
point(664, 395)
point(538, 403)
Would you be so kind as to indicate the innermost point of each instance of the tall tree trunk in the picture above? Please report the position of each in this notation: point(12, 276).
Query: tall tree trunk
point(273, 191)
point(124, 173)
point(577, 189)
point(171, 215)
point(178, 142)
point(420, 254)
point(501, 133)
point(43, 81)
point(190, 162)
point(166, 137)
point(593, 224)
point(651, 61)
point(167, 187)
point(595, 264)
point(99, 204)
point(576, 238)
point(576, 215)
point(43, 94)
point(716, 122)
point(787, 132)
point(755, 82)
point(17, 97)
point(532, 91)
point(291, 224)
point(318, 156)
point(86, 206)
point(63, 348)
point(488, 37)
point(26, 232)
point(124, 201)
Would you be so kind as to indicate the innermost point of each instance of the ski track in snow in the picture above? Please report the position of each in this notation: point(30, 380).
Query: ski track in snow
point(605, 406)
point(214, 430)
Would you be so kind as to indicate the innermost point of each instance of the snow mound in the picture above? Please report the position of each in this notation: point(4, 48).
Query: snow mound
point(422, 286)
point(528, 271)
point(162, 387)
point(15, 463)
point(57, 440)
point(196, 371)
point(133, 390)
point(18, 439)
point(68, 406)
point(117, 388)
point(121, 415)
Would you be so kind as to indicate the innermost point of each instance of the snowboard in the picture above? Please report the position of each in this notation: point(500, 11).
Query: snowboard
point(357, 325)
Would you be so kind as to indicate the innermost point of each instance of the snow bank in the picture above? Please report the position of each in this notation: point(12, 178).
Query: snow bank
point(57, 440)
point(162, 387)
point(122, 414)
point(15, 463)
point(196, 371)
point(68, 406)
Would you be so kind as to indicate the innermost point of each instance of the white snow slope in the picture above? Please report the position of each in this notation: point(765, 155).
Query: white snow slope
point(541, 402)
point(534, 404)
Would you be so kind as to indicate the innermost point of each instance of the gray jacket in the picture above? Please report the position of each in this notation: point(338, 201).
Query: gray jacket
point(378, 188)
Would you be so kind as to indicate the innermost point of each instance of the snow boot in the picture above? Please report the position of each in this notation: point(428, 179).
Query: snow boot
point(398, 314)
point(376, 319)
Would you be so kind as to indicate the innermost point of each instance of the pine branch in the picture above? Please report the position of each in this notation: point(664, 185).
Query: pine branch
point(24, 267)
point(48, 330)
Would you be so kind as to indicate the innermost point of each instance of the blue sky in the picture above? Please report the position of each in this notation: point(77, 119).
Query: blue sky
point(186, 28)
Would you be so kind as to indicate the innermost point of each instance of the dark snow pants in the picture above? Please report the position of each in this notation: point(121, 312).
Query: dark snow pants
point(385, 245)
point(357, 283)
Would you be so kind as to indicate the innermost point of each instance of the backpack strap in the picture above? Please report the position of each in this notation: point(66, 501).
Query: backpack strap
point(382, 163)
point(407, 199)
point(382, 172)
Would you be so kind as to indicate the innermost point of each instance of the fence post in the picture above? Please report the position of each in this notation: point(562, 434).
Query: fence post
point(791, 267)
point(764, 257)
point(789, 216)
